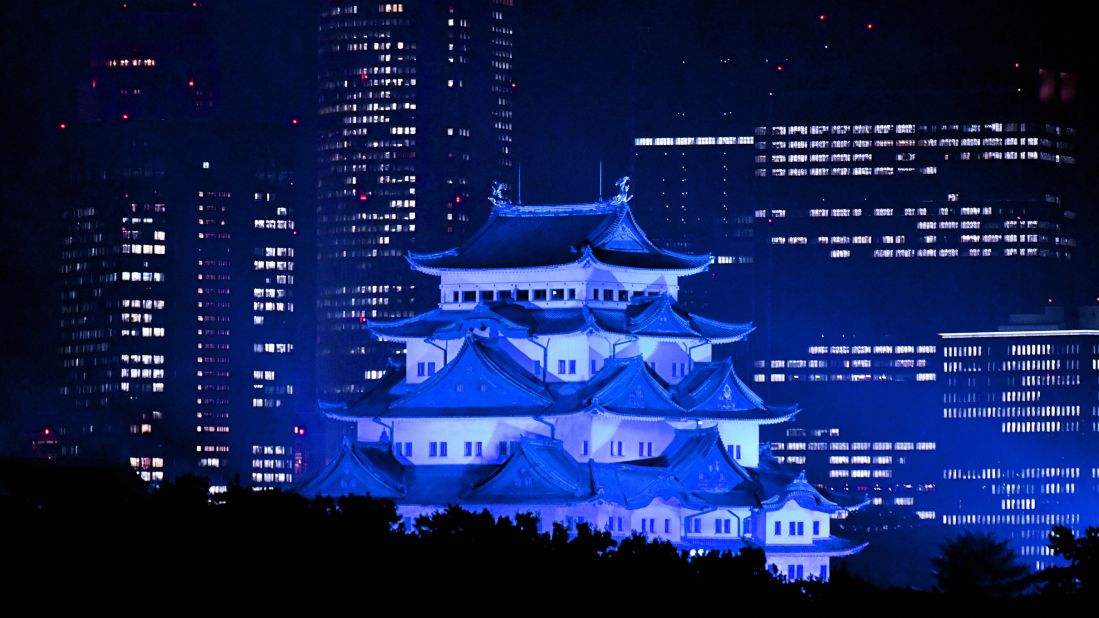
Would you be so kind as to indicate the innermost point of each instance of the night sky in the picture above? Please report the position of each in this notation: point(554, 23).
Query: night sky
point(590, 76)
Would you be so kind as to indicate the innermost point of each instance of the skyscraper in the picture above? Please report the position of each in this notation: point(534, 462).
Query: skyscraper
point(180, 344)
point(863, 207)
point(415, 123)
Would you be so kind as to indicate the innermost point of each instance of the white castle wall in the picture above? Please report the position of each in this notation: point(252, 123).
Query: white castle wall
point(463, 290)
point(791, 512)
point(742, 434)
point(488, 432)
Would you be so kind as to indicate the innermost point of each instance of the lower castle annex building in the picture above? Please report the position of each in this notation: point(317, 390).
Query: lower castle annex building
point(559, 376)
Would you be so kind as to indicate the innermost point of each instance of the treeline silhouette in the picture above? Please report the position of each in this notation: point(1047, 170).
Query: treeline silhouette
point(282, 543)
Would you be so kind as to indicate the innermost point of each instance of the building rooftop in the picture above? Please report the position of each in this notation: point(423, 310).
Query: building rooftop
point(482, 381)
point(526, 237)
point(650, 316)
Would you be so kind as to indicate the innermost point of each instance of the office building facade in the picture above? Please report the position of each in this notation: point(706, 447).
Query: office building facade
point(180, 347)
point(415, 123)
point(1020, 405)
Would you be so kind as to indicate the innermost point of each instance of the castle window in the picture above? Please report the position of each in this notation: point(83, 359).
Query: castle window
point(594, 294)
point(608, 294)
point(623, 295)
point(539, 295)
point(431, 368)
point(488, 295)
point(585, 448)
point(778, 528)
point(469, 296)
point(572, 367)
point(503, 295)
point(522, 295)
point(557, 294)
point(421, 369)
point(455, 296)
point(667, 526)
point(572, 293)
point(816, 528)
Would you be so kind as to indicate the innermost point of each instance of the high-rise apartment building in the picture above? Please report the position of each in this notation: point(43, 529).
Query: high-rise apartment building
point(181, 349)
point(415, 123)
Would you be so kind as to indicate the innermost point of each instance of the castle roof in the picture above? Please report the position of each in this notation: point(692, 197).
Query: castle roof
point(539, 471)
point(714, 390)
point(646, 316)
point(477, 380)
point(830, 546)
point(630, 387)
point(781, 484)
point(805, 495)
point(525, 237)
point(483, 381)
point(368, 469)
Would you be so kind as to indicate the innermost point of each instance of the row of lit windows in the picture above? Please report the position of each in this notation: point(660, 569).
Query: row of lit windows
point(853, 446)
point(843, 377)
point(860, 363)
point(154, 374)
point(155, 387)
point(272, 477)
point(846, 171)
point(143, 249)
point(144, 331)
point(1012, 412)
point(1000, 473)
point(141, 276)
point(273, 348)
point(860, 460)
point(1045, 488)
point(272, 306)
point(1038, 427)
point(273, 224)
point(860, 474)
point(272, 265)
point(143, 359)
point(1020, 519)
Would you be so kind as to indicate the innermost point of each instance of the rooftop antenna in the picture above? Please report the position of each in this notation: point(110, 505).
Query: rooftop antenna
point(601, 180)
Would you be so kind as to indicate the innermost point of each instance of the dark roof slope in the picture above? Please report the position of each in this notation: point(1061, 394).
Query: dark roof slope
point(516, 236)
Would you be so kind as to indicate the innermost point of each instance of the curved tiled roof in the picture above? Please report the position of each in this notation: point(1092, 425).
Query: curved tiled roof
point(601, 232)
point(645, 316)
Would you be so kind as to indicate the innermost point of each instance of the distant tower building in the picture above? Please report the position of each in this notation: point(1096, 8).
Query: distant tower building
point(415, 118)
point(1020, 404)
point(180, 348)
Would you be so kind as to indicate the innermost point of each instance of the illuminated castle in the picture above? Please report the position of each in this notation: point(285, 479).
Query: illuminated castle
point(559, 376)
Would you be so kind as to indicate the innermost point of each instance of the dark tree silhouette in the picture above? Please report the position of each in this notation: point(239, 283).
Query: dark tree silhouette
point(1081, 576)
point(978, 564)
